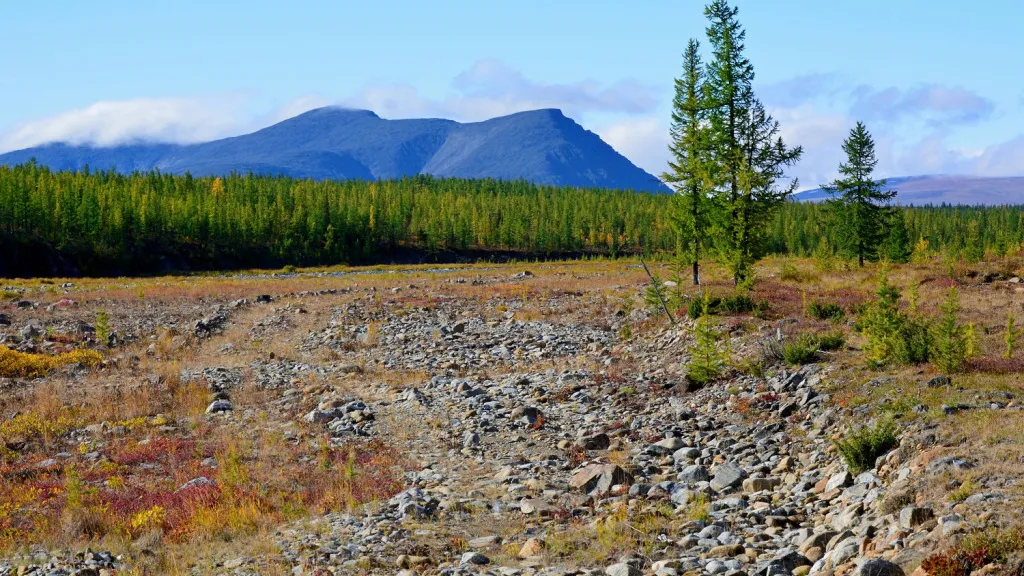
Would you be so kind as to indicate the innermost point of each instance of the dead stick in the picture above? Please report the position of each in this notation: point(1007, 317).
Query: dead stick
point(657, 290)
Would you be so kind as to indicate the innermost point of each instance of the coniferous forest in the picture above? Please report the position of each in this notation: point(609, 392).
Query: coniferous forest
point(98, 222)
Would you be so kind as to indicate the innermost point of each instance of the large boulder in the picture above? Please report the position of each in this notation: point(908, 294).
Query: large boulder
point(598, 479)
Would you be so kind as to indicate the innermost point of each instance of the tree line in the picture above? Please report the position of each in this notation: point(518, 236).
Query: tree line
point(102, 222)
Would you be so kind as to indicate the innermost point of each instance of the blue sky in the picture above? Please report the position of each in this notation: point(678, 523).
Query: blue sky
point(936, 83)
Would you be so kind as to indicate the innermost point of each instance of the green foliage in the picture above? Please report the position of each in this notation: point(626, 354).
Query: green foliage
point(831, 341)
point(893, 335)
point(826, 311)
point(102, 326)
point(860, 205)
point(1010, 336)
point(949, 352)
point(800, 350)
point(747, 156)
point(861, 447)
point(689, 173)
point(708, 353)
point(730, 304)
point(897, 247)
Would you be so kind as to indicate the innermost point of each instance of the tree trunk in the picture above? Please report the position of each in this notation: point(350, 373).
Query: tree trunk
point(696, 274)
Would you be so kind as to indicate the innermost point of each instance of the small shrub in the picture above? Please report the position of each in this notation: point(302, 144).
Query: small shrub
point(949, 340)
point(966, 489)
point(730, 304)
point(826, 311)
point(708, 356)
point(102, 326)
point(800, 350)
point(1010, 337)
point(790, 273)
point(893, 335)
point(831, 341)
point(973, 553)
point(288, 269)
point(863, 446)
point(699, 509)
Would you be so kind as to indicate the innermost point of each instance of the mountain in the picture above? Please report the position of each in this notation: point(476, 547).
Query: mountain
point(942, 189)
point(542, 146)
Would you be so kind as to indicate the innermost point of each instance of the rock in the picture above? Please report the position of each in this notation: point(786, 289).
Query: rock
point(4, 320)
point(727, 476)
point(532, 547)
point(598, 479)
point(622, 569)
point(484, 542)
point(219, 406)
point(878, 567)
point(939, 381)
point(840, 480)
point(726, 550)
point(474, 558)
point(200, 482)
point(751, 485)
point(913, 516)
point(595, 442)
point(693, 474)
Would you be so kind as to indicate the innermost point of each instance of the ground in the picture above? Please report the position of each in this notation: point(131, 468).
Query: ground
point(505, 419)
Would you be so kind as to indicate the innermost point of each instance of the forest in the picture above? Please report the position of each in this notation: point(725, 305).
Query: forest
point(103, 222)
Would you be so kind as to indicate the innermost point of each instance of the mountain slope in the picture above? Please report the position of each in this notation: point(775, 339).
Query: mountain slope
point(541, 146)
point(941, 189)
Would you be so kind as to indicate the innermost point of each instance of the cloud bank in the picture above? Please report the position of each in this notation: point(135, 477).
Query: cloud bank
point(815, 111)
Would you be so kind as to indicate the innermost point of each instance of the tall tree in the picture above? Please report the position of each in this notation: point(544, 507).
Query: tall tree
point(689, 163)
point(748, 154)
point(860, 205)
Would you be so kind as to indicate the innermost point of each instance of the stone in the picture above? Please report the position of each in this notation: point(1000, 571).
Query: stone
point(727, 476)
point(840, 480)
point(218, 406)
point(878, 567)
point(693, 474)
point(532, 547)
point(914, 516)
point(622, 569)
point(484, 542)
point(474, 558)
point(751, 485)
point(595, 442)
point(939, 381)
point(598, 479)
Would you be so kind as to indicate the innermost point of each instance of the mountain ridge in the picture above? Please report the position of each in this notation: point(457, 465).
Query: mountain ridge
point(945, 189)
point(543, 146)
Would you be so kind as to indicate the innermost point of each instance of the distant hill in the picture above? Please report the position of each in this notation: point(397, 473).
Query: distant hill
point(542, 146)
point(919, 190)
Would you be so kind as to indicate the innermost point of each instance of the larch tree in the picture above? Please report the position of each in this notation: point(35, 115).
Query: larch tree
point(748, 155)
point(689, 147)
point(860, 205)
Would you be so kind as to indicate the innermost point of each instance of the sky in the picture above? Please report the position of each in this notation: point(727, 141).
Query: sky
point(937, 83)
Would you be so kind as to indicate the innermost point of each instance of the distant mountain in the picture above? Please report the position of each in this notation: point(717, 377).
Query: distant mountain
point(542, 146)
point(918, 190)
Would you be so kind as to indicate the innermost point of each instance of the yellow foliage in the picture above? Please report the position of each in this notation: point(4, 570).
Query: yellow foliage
point(14, 364)
point(148, 519)
point(31, 426)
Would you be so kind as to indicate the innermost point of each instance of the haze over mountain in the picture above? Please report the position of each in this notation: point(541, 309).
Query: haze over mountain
point(946, 189)
point(542, 146)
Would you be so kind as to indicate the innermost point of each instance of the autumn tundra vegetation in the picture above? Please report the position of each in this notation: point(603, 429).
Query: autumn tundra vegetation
point(722, 380)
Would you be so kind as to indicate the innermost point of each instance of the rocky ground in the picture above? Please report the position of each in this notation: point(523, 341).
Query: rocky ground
point(507, 422)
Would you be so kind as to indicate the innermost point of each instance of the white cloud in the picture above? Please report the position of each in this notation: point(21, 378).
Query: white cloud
point(490, 88)
point(643, 140)
point(115, 122)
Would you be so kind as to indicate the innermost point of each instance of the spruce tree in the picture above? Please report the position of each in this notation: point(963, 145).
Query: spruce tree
point(748, 154)
point(689, 148)
point(897, 245)
point(860, 205)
